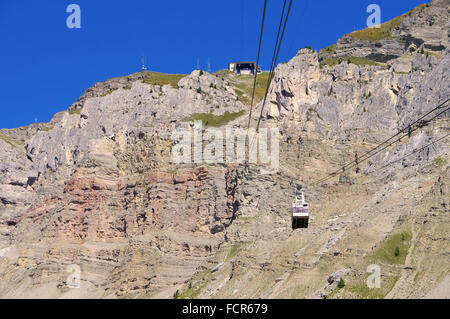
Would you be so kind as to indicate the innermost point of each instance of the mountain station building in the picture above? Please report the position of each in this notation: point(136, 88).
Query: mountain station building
point(244, 67)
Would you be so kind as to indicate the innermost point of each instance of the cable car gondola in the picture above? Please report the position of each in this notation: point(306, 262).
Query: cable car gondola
point(300, 210)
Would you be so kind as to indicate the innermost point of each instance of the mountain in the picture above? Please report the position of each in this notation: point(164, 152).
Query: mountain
point(96, 187)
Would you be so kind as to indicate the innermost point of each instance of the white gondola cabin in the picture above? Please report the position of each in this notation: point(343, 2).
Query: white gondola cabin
point(300, 210)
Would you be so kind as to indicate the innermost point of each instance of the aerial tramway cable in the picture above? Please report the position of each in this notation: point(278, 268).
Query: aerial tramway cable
point(412, 153)
point(274, 61)
point(257, 62)
point(368, 154)
point(406, 128)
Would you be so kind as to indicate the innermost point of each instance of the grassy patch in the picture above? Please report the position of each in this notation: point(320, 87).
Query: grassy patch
point(77, 111)
point(47, 129)
point(12, 141)
point(366, 61)
point(243, 84)
point(393, 250)
point(223, 72)
point(194, 290)
point(241, 96)
point(360, 290)
point(437, 55)
point(377, 34)
point(390, 253)
point(439, 161)
point(127, 87)
point(107, 93)
point(354, 60)
point(329, 50)
point(156, 78)
point(244, 87)
point(234, 251)
point(385, 30)
point(209, 119)
point(363, 81)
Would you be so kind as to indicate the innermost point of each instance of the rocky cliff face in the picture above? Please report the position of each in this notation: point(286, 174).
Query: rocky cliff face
point(96, 187)
point(423, 28)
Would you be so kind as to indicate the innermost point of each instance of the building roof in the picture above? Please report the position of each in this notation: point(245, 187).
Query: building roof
point(244, 62)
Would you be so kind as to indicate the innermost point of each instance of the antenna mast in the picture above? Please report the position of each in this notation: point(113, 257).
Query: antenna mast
point(144, 62)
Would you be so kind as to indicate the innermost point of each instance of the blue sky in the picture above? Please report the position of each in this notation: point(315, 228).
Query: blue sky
point(46, 66)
